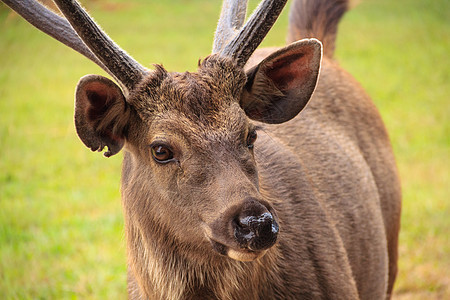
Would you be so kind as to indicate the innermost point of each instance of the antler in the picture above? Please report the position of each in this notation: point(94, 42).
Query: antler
point(80, 33)
point(231, 20)
point(242, 44)
point(53, 25)
point(123, 66)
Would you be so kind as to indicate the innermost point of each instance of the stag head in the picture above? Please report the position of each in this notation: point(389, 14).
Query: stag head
point(189, 168)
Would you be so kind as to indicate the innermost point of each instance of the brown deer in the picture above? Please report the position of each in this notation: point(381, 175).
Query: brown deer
point(308, 210)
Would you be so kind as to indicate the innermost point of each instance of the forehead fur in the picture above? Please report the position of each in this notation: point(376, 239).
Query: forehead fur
point(199, 96)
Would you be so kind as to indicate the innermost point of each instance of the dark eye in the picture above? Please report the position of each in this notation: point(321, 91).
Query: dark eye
point(162, 154)
point(251, 138)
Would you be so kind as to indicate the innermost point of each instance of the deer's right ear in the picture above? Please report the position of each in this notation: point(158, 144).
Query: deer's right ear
point(101, 114)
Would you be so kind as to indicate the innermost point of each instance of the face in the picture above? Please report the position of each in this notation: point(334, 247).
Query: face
point(189, 173)
point(195, 146)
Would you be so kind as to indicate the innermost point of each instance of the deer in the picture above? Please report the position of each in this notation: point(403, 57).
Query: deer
point(266, 174)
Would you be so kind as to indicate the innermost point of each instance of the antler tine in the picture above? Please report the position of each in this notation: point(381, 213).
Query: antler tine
point(128, 71)
point(53, 25)
point(242, 46)
point(231, 19)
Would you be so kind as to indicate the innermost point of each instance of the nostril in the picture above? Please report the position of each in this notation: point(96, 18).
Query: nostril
point(243, 232)
point(266, 224)
point(256, 232)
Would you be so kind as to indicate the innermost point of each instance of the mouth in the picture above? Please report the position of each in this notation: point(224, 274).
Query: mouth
point(237, 254)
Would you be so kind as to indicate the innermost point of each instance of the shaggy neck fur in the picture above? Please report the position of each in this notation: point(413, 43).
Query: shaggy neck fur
point(167, 269)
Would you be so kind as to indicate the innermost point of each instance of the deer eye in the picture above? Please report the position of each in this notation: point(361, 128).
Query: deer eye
point(162, 154)
point(251, 138)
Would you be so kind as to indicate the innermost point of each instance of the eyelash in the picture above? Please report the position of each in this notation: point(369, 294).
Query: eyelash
point(251, 138)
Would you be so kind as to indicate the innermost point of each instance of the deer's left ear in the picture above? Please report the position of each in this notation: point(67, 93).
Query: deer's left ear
point(280, 86)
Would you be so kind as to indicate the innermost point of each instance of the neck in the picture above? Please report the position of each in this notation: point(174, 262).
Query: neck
point(162, 268)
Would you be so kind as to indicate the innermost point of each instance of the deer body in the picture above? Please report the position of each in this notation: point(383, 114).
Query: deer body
point(314, 172)
point(308, 210)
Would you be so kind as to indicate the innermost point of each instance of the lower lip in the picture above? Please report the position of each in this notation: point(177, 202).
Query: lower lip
point(239, 255)
point(244, 255)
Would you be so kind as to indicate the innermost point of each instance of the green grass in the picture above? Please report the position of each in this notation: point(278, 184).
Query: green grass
point(61, 227)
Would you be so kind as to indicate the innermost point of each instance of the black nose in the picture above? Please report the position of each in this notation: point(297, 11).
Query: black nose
point(256, 232)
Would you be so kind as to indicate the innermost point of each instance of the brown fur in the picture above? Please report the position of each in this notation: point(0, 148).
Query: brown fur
point(328, 176)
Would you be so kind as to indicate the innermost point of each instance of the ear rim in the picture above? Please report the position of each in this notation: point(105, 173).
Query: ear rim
point(253, 72)
point(93, 138)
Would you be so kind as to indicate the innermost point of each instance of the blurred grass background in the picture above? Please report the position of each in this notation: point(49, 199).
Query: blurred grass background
point(61, 227)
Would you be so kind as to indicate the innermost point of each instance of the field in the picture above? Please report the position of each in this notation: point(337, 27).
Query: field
point(61, 226)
